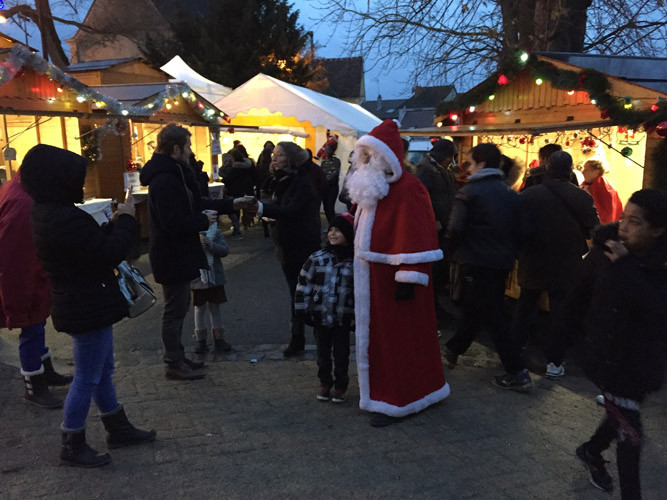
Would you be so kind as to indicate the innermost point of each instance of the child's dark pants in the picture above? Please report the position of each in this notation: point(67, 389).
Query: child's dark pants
point(338, 338)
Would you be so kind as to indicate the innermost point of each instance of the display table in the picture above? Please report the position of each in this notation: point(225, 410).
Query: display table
point(99, 208)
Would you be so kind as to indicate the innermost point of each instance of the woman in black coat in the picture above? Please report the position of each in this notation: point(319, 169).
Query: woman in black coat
point(295, 208)
point(80, 258)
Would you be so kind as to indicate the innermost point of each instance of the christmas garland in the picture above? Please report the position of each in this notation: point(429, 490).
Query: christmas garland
point(620, 110)
point(20, 56)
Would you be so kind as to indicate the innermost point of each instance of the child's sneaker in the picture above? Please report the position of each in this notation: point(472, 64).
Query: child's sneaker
point(554, 371)
point(339, 396)
point(598, 475)
point(324, 394)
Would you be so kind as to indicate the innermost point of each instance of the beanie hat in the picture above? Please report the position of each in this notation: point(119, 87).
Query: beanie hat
point(559, 166)
point(442, 148)
point(385, 140)
point(345, 223)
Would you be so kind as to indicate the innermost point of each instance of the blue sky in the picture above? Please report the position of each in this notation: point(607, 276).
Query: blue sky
point(328, 39)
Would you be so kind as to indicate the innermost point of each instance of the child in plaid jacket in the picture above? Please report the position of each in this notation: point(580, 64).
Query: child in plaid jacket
point(324, 298)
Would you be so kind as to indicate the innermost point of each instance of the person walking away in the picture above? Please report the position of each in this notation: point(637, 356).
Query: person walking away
point(295, 209)
point(626, 333)
point(24, 295)
point(434, 171)
point(331, 167)
point(556, 220)
point(324, 298)
point(606, 199)
point(208, 291)
point(80, 258)
point(483, 235)
point(536, 175)
point(239, 181)
point(176, 217)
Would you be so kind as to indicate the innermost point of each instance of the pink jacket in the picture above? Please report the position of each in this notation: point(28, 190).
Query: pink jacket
point(24, 285)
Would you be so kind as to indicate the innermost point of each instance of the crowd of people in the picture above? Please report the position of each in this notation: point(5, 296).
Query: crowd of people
point(405, 240)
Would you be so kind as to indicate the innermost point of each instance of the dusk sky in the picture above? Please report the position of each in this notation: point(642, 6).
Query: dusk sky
point(330, 42)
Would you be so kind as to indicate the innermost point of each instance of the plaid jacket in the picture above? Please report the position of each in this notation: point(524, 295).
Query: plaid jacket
point(325, 291)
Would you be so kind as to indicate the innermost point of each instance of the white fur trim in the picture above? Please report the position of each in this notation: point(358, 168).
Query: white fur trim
point(396, 259)
point(30, 374)
point(401, 411)
point(47, 354)
point(364, 220)
point(411, 277)
point(382, 148)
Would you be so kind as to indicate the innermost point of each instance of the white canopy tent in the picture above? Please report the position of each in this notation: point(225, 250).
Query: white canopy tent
point(208, 89)
point(265, 92)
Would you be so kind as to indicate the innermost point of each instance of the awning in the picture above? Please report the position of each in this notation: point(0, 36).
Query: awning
point(504, 129)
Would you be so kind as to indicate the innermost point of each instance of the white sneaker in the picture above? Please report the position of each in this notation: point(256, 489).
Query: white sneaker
point(599, 399)
point(554, 371)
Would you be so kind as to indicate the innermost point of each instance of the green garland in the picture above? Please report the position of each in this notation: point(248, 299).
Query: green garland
point(589, 80)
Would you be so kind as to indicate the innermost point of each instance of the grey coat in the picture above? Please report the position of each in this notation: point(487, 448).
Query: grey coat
point(219, 249)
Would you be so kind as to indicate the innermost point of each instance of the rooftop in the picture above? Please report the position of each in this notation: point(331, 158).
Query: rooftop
point(384, 108)
point(428, 97)
point(97, 65)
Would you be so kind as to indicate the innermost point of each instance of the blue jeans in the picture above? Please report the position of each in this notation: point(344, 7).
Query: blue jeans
point(93, 368)
point(32, 349)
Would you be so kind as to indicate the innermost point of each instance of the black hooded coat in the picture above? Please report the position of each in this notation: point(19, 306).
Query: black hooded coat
point(78, 254)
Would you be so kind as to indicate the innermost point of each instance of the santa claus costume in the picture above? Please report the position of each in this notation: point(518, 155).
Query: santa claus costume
point(398, 355)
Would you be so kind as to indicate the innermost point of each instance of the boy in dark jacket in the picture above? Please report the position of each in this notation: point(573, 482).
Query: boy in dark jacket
point(325, 299)
point(626, 332)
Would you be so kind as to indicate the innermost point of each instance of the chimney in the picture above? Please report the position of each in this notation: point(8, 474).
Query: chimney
point(379, 103)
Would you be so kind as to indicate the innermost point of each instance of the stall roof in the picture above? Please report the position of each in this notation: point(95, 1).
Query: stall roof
point(503, 128)
point(209, 89)
point(648, 72)
point(130, 94)
point(263, 91)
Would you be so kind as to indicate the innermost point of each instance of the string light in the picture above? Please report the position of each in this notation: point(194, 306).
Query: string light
point(539, 81)
point(125, 112)
point(492, 97)
point(439, 124)
point(472, 109)
point(453, 117)
point(523, 57)
point(570, 92)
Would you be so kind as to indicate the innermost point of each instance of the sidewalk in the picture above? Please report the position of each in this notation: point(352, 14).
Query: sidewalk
point(255, 430)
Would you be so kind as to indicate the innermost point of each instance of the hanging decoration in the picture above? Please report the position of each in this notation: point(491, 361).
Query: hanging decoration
point(90, 144)
point(620, 110)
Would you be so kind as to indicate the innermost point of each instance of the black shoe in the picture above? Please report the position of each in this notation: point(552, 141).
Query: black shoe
point(451, 359)
point(339, 396)
point(182, 371)
point(75, 451)
point(324, 394)
point(52, 377)
point(520, 382)
point(382, 420)
point(598, 475)
point(122, 433)
point(37, 392)
point(221, 345)
point(195, 365)
point(200, 347)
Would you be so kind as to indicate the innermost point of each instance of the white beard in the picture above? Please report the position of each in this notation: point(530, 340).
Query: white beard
point(368, 184)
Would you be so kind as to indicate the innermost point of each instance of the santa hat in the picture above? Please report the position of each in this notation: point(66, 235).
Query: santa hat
point(329, 147)
point(345, 224)
point(386, 141)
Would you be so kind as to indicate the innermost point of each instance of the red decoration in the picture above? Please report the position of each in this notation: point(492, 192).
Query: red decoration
point(654, 107)
point(230, 130)
point(661, 129)
point(580, 82)
point(522, 140)
point(453, 117)
point(200, 105)
point(604, 113)
point(502, 80)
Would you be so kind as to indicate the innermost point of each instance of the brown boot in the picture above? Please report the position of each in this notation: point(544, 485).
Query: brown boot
point(37, 391)
point(220, 343)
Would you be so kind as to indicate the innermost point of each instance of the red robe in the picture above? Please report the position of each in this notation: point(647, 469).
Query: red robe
point(398, 354)
point(606, 200)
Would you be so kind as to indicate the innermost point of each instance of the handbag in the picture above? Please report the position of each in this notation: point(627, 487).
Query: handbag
point(136, 290)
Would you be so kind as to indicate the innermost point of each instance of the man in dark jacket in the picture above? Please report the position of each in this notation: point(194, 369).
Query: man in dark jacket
point(176, 255)
point(557, 219)
point(482, 233)
point(434, 171)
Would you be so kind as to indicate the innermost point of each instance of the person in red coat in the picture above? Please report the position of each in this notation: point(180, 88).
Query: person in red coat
point(398, 356)
point(24, 295)
point(605, 197)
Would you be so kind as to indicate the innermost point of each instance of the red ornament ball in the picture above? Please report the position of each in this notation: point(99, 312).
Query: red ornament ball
point(522, 140)
point(502, 80)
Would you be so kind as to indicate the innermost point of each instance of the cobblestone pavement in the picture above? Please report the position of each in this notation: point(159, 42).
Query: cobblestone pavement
point(253, 428)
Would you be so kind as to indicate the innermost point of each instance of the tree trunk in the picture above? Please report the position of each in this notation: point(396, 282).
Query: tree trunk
point(51, 45)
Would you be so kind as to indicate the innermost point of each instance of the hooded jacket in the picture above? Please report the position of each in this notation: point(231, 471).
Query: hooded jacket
point(24, 285)
point(240, 178)
point(175, 219)
point(78, 254)
point(625, 322)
